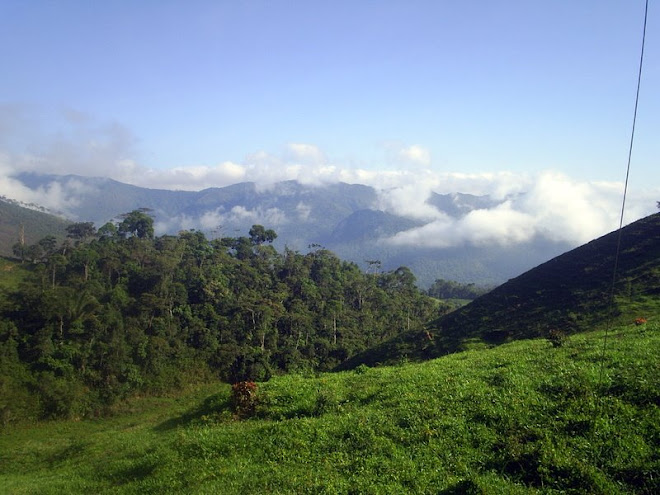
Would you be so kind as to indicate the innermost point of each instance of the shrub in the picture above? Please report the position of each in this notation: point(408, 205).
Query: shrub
point(361, 369)
point(244, 398)
point(557, 338)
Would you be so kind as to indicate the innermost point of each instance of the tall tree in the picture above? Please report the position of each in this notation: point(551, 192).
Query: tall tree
point(56, 263)
point(81, 231)
point(137, 223)
point(20, 251)
point(258, 235)
point(48, 244)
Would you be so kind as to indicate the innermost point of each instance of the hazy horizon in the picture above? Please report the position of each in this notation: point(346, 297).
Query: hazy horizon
point(407, 97)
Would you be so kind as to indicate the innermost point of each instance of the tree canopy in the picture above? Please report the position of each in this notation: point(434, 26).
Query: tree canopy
point(125, 312)
point(448, 289)
point(81, 231)
point(137, 223)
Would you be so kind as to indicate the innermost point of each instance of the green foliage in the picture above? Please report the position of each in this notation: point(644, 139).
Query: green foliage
point(12, 273)
point(119, 312)
point(258, 235)
point(81, 231)
point(17, 402)
point(520, 418)
point(250, 366)
point(448, 289)
point(362, 369)
point(137, 223)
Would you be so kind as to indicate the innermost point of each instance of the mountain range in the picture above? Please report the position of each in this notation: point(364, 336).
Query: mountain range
point(348, 219)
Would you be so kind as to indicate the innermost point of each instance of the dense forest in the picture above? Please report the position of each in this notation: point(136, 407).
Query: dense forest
point(117, 311)
point(449, 289)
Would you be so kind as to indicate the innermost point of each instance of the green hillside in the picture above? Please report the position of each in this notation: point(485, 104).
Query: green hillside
point(36, 225)
point(525, 417)
point(570, 293)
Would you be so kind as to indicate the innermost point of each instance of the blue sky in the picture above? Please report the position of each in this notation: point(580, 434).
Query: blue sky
point(201, 93)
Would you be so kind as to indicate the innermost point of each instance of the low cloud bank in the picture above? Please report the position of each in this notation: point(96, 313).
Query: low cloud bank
point(58, 197)
point(554, 206)
point(548, 203)
point(217, 220)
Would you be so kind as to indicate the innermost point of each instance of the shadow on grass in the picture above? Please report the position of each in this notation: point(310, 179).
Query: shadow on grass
point(213, 406)
point(75, 450)
point(465, 487)
point(138, 468)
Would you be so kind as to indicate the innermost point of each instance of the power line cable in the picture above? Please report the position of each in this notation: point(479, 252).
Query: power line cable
point(623, 202)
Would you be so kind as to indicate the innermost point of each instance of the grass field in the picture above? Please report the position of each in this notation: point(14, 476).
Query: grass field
point(524, 417)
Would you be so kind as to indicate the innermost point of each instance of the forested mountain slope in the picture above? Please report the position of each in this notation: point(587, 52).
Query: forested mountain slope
point(109, 314)
point(33, 224)
point(570, 293)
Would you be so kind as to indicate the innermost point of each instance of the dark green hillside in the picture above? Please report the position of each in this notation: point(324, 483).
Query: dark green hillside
point(569, 293)
point(36, 224)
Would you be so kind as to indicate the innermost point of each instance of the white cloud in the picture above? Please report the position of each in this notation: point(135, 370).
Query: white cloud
point(554, 206)
point(304, 210)
point(305, 153)
point(59, 197)
point(408, 199)
point(211, 219)
point(83, 150)
point(193, 178)
point(498, 185)
point(175, 224)
point(547, 204)
point(500, 225)
point(218, 220)
point(416, 155)
point(400, 155)
point(269, 216)
point(568, 210)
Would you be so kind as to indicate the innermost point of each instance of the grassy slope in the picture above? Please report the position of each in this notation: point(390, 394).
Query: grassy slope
point(570, 293)
point(524, 417)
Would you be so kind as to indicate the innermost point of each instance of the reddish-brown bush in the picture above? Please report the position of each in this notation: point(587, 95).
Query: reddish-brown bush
point(244, 398)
